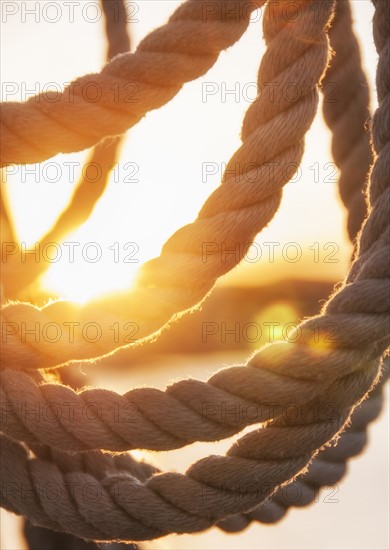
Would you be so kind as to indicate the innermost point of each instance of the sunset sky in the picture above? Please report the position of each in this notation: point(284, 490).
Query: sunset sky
point(174, 156)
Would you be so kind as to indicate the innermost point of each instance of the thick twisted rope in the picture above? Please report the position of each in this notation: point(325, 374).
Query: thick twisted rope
point(121, 507)
point(326, 469)
point(109, 103)
point(262, 460)
point(273, 132)
point(347, 114)
point(330, 470)
point(135, 420)
point(188, 411)
point(346, 104)
point(145, 418)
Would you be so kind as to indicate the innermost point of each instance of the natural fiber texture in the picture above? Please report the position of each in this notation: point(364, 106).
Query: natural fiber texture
point(346, 111)
point(339, 89)
point(157, 421)
point(326, 469)
point(261, 461)
point(127, 88)
point(273, 131)
point(115, 503)
point(107, 497)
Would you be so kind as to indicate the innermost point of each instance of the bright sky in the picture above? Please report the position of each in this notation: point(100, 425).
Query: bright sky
point(170, 148)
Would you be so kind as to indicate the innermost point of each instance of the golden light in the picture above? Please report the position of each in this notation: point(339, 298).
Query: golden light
point(275, 322)
point(170, 162)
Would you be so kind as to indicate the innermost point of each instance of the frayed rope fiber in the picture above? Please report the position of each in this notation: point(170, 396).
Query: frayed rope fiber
point(139, 503)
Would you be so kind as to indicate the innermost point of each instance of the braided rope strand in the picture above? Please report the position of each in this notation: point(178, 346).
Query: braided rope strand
point(326, 469)
point(344, 77)
point(347, 114)
point(128, 87)
point(262, 460)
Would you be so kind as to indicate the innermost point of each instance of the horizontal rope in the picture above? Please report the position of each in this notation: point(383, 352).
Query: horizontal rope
point(100, 465)
point(124, 508)
point(96, 106)
point(190, 410)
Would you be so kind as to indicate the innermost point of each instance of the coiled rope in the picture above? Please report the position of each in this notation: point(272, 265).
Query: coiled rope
point(233, 215)
point(149, 428)
point(326, 469)
point(262, 460)
point(345, 107)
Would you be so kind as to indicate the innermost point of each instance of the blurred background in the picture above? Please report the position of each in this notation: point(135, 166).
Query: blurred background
point(169, 164)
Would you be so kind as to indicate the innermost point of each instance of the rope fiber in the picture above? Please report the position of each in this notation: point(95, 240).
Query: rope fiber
point(179, 279)
point(127, 88)
point(133, 501)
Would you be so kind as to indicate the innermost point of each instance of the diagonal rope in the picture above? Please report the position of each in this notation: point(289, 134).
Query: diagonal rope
point(273, 132)
point(127, 88)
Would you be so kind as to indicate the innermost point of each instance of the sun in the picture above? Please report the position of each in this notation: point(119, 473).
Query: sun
point(91, 267)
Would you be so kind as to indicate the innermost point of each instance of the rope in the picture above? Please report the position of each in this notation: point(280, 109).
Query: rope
point(273, 132)
point(127, 88)
point(101, 465)
point(115, 18)
point(326, 469)
point(261, 461)
point(149, 428)
point(123, 507)
point(339, 86)
point(347, 114)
